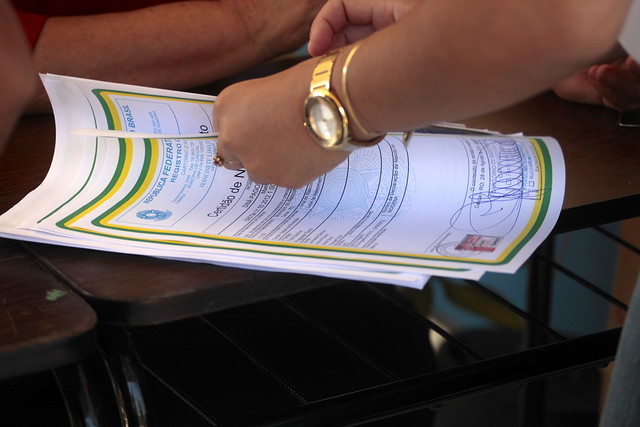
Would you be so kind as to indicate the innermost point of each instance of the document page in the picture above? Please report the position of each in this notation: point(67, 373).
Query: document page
point(450, 205)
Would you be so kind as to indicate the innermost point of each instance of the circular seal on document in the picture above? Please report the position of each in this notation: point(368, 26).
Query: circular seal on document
point(154, 215)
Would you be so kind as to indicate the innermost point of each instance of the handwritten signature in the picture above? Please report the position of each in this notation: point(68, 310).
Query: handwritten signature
point(497, 208)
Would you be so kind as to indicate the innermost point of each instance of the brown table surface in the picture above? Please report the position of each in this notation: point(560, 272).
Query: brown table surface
point(603, 185)
point(43, 323)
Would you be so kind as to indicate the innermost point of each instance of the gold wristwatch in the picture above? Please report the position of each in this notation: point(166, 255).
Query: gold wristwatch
point(324, 116)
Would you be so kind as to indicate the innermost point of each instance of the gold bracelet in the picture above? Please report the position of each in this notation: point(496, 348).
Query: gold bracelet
point(347, 100)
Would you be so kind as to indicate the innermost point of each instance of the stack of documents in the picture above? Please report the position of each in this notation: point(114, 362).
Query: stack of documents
point(447, 205)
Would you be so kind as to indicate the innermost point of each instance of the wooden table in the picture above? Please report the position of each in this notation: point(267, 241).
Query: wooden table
point(603, 185)
point(43, 323)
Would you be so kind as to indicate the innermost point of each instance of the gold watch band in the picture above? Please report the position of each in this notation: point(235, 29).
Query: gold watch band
point(321, 88)
point(322, 73)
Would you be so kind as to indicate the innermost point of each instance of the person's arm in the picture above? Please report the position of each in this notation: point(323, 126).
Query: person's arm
point(451, 59)
point(446, 60)
point(17, 75)
point(175, 45)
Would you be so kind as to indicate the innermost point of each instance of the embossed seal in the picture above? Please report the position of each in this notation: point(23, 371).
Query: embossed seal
point(154, 214)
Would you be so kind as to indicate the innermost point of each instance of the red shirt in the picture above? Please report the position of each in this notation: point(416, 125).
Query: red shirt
point(34, 13)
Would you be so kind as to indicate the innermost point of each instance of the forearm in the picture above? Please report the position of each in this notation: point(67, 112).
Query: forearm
point(443, 60)
point(448, 60)
point(178, 45)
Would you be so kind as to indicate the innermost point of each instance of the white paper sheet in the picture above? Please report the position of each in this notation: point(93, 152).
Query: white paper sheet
point(450, 205)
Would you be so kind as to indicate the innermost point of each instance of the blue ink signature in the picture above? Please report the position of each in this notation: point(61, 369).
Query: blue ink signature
point(498, 208)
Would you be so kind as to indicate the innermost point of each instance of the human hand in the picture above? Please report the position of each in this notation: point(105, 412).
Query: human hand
point(342, 22)
point(615, 85)
point(260, 125)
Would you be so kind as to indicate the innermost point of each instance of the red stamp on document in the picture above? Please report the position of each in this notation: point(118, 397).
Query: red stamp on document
point(475, 242)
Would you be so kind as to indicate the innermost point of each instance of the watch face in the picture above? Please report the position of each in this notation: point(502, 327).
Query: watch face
point(324, 120)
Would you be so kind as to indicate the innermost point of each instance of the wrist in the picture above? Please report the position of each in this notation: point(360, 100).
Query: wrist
point(328, 118)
